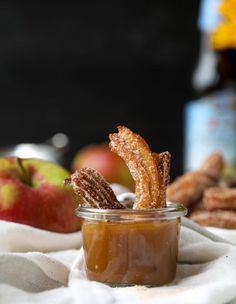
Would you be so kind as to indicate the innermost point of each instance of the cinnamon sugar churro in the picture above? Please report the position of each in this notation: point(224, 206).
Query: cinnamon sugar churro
point(219, 198)
point(143, 168)
point(163, 166)
point(189, 188)
point(216, 218)
point(92, 187)
point(213, 165)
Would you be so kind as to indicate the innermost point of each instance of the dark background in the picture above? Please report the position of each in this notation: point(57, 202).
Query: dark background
point(84, 68)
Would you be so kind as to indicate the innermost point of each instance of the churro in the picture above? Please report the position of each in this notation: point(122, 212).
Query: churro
point(189, 188)
point(163, 166)
point(216, 218)
point(213, 165)
point(142, 165)
point(93, 189)
point(219, 198)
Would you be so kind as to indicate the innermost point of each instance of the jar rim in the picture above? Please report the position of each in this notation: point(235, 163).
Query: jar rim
point(171, 211)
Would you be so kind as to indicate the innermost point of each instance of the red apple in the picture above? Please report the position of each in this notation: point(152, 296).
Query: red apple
point(109, 164)
point(32, 192)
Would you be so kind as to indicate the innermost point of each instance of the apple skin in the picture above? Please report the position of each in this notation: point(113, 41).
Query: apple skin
point(109, 164)
point(32, 192)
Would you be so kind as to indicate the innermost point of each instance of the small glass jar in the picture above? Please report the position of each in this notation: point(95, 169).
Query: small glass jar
point(125, 247)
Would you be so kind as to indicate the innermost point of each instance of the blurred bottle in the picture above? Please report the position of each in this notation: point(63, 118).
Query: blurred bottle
point(210, 121)
point(204, 75)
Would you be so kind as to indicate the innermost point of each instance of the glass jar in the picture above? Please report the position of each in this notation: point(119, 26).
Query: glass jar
point(124, 247)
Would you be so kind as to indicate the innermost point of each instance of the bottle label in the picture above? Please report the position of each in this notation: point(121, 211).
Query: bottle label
point(209, 16)
point(210, 125)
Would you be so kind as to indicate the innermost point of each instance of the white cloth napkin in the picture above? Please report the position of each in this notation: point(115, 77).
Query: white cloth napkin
point(206, 271)
point(22, 238)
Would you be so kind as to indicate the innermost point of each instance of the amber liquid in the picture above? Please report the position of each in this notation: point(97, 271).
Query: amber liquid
point(136, 253)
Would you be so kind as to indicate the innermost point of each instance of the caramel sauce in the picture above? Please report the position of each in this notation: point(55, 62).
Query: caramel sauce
point(131, 253)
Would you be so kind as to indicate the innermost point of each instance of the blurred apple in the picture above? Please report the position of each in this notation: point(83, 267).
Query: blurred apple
point(32, 192)
point(110, 165)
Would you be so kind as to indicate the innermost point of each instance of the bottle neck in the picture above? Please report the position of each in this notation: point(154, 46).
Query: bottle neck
point(227, 66)
point(223, 73)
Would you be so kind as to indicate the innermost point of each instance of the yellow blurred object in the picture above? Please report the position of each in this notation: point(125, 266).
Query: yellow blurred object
point(228, 9)
point(224, 37)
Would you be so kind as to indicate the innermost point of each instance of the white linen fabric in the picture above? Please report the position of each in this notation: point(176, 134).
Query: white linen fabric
point(227, 234)
point(206, 271)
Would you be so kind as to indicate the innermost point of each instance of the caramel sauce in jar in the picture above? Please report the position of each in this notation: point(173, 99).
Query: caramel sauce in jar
point(123, 248)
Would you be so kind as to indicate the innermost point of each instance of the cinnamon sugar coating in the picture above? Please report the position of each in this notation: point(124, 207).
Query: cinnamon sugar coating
point(163, 166)
point(93, 188)
point(219, 198)
point(142, 165)
point(216, 218)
